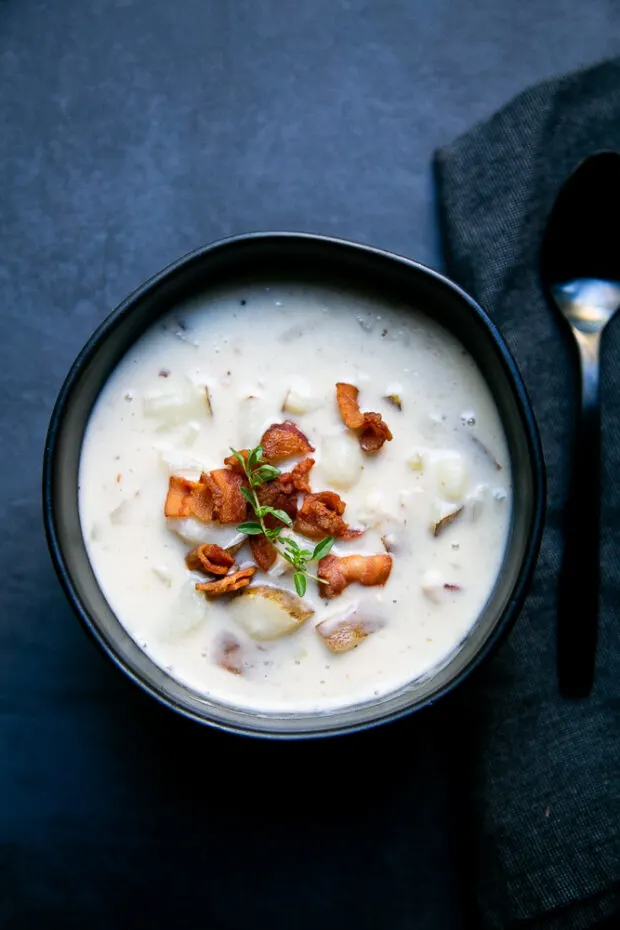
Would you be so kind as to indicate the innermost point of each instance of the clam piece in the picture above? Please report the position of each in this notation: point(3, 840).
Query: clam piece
point(477, 501)
point(164, 574)
point(344, 630)
point(416, 461)
point(267, 612)
point(375, 512)
point(437, 588)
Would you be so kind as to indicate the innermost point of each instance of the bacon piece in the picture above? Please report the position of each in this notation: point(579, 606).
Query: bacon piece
point(299, 475)
point(340, 572)
point(189, 499)
point(279, 494)
point(346, 396)
point(209, 558)
point(282, 440)
point(321, 515)
point(229, 583)
point(233, 462)
point(229, 504)
point(263, 553)
point(373, 430)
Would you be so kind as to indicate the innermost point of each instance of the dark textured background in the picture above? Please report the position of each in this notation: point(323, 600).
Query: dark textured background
point(131, 131)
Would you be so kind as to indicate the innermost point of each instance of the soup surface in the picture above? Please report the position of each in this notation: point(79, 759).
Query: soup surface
point(433, 502)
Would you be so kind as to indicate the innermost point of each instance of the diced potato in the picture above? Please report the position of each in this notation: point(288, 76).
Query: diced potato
point(300, 399)
point(187, 612)
point(442, 514)
point(341, 460)
point(451, 473)
point(176, 408)
point(268, 613)
point(177, 461)
point(345, 629)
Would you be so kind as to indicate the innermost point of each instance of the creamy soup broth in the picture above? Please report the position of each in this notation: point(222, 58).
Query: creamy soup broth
point(256, 348)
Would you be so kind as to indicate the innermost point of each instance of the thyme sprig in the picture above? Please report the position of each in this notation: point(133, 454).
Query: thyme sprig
point(258, 472)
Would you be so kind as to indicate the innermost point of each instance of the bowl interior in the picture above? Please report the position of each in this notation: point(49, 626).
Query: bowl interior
point(305, 259)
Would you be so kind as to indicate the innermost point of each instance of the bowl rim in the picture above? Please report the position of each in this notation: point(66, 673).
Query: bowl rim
point(528, 424)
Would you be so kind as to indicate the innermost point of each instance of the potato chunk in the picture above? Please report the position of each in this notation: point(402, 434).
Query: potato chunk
point(443, 513)
point(452, 475)
point(187, 612)
point(341, 460)
point(267, 612)
point(346, 629)
point(176, 408)
point(299, 400)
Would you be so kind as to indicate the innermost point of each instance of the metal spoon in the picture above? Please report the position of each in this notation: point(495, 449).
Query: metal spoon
point(580, 270)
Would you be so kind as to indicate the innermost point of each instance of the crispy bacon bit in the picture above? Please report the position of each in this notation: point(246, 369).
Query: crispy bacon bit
point(233, 462)
point(279, 494)
point(229, 583)
point(340, 572)
point(189, 499)
point(282, 440)
point(346, 395)
point(321, 515)
point(263, 553)
point(210, 559)
point(450, 586)
point(299, 475)
point(228, 655)
point(229, 504)
point(373, 430)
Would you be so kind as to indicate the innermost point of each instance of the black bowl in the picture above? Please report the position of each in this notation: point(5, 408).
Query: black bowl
point(325, 261)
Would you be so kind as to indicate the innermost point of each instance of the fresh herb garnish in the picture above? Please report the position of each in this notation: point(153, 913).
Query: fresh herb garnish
point(257, 473)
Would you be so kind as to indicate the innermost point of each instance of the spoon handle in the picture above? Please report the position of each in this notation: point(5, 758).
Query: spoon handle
point(579, 575)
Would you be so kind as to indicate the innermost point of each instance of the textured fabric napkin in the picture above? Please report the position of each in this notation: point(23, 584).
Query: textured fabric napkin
point(545, 773)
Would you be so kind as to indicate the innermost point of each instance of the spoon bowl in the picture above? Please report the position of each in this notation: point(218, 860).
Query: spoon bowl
point(580, 271)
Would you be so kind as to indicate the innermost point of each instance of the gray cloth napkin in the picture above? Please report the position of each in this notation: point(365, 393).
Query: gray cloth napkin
point(545, 772)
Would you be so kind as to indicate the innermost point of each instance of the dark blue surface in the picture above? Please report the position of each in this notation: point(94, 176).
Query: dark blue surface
point(131, 131)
